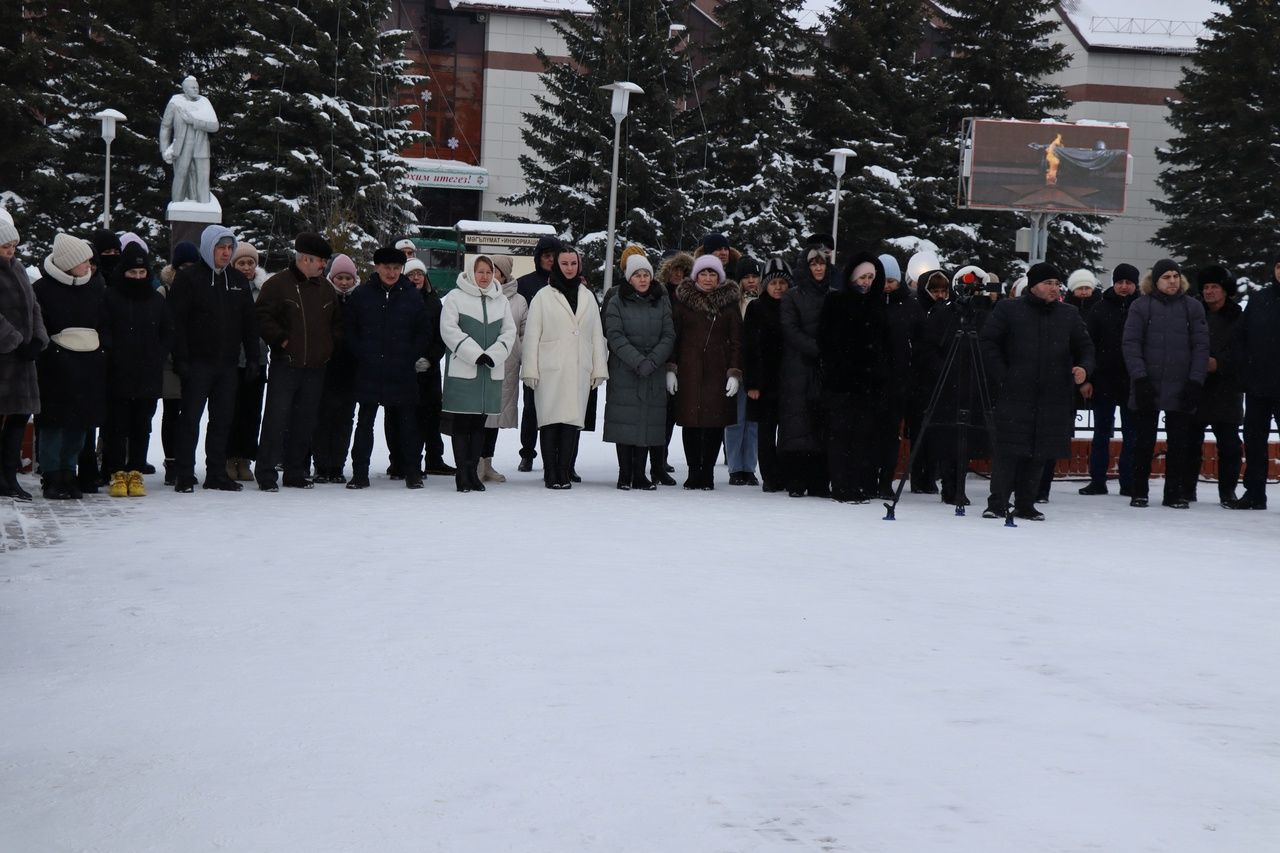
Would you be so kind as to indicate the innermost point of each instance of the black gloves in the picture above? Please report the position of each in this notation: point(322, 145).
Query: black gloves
point(484, 360)
point(1191, 395)
point(29, 351)
point(1145, 395)
point(646, 367)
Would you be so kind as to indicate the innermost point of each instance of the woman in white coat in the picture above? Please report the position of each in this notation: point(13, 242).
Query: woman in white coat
point(479, 335)
point(564, 357)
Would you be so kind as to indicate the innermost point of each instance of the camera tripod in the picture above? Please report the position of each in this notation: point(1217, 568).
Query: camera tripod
point(963, 348)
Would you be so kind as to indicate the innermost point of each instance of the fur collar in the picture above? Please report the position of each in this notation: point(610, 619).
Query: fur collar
point(51, 270)
point(711, 303)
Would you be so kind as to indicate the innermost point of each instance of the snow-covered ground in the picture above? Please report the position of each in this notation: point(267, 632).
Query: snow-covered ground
point(524, 670)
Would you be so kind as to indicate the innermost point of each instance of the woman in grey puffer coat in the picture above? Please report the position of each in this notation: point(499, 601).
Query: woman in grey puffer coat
point(1166, 351)
point(22, 337)
point(641, 335)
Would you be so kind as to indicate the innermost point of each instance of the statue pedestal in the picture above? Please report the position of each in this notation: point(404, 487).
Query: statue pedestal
point(188, 219)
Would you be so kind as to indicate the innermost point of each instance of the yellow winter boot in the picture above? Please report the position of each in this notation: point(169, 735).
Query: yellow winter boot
point(137, 489)
point(118, 488)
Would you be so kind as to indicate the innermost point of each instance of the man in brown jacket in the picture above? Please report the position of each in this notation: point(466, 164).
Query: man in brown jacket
point(299, 319)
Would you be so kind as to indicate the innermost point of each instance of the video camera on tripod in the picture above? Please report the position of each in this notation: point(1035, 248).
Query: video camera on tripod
point(972, 281)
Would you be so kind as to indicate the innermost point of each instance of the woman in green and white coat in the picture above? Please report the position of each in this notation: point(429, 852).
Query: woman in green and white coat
point(479, 334)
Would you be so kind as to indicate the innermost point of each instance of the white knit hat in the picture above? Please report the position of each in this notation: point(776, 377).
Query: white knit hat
point(635, 263)
point(414, 264)
point(1082, 278)
point(8, 233)
point(70, 252)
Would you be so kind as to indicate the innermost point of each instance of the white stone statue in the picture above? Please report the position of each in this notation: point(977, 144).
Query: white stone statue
point(184, 141)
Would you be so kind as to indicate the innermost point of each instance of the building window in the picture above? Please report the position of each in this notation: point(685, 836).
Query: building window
point(449, 50)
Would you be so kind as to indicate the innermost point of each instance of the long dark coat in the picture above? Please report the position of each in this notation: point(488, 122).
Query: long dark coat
point(762, 356)
point(637, 327)
point(855, 344)
point(1166, 339)
point(906, 325)
point(1223, 398)
point(1029, 347)
point(387, 331)
point(1106, 329)
point(141, 332)
point(708, 351)
point(800, 418)
point(20, 322)
point(73, 385)
point(1258, 343)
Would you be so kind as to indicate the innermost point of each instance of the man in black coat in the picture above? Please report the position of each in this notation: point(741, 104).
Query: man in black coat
point(386, 326)
point(1258, 345)
point(1036, 351)
point(1221, 403)
point(213, 322)
point(1108, 387)
point(528, 285)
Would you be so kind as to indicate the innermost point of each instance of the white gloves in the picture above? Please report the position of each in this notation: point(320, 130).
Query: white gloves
point(597, 382)
point(531, 382)
point(421, 365)
point(731, 387)
point(672, 385)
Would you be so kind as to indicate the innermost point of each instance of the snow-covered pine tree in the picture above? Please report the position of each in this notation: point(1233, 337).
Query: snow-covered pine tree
point(746, 168)
point(312, 139)
point(1000, 55)
point(1222, 199)
point(869, 93)
point(62, 63)
point(571, 135)
point(32, 184)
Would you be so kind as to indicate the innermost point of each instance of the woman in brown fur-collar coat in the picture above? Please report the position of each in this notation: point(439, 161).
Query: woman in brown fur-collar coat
point(706, 368)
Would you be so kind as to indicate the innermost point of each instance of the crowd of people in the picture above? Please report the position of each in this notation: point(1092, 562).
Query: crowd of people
point(814, 373)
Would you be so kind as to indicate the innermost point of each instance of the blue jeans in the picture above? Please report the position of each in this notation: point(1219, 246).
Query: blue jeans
point(741, 440)
point(59, 448)
point(1104, 426)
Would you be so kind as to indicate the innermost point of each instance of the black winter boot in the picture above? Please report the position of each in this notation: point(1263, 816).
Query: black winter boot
point(475, 448)
point(626, 467)
point(639, 455)
point(461, 450)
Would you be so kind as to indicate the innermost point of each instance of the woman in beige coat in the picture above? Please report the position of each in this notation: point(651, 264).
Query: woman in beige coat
point(565, 356)
point(507, 419)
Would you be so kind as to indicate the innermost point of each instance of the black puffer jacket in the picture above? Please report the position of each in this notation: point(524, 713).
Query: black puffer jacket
point(1223, 397)
point(140, 331)
point(855, 347)
point(906, 326)
point(72, 383)
point(799, 413)
point(213, 319)
point(1029, 347)
point(387, 330)
point(762, 353)
point(1106, 328)
point(1259, 343)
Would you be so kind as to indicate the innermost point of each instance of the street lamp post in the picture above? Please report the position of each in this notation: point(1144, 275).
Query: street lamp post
point(108, 119)
point(622, 93)
point(841, 155)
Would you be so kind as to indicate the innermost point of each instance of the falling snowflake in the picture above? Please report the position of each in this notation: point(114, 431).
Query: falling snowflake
point(453, 143)
point(426, 97)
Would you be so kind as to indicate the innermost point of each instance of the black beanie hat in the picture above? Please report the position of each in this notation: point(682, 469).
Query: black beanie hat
point(711, 242)
point(1042, 271)
point(389, 255)
point(309, 243)
point(104, 241)
point(1163, 266)
point(133, 257)
point(1125, 272)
